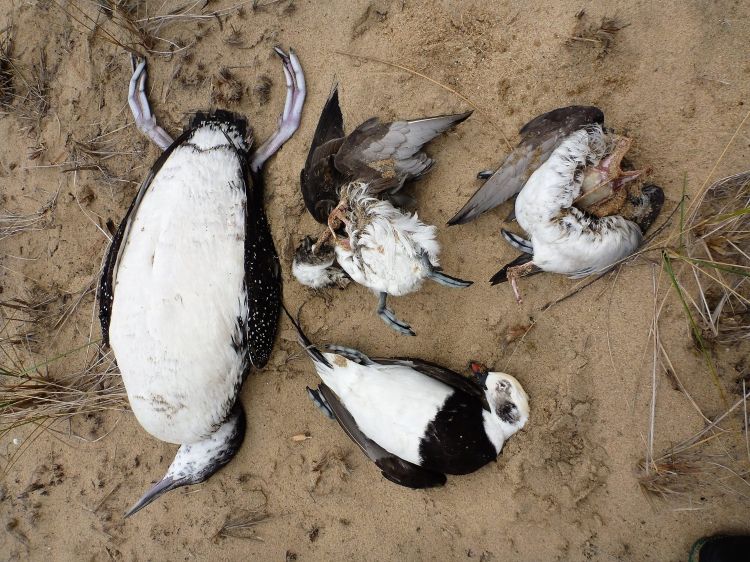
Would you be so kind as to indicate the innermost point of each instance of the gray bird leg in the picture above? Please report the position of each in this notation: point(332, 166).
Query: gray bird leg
point(517, 242)
point(386, 314)
point(290, 118)
point(138, 102)
point(438, 276)
point(320, 402)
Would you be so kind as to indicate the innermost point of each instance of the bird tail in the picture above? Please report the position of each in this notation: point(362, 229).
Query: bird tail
point(313, 352)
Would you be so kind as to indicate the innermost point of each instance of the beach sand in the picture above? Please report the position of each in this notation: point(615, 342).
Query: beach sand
point(675, 79)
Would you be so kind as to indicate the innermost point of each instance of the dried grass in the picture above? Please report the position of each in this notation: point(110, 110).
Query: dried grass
point(713, 462)
point(23, 91)
point(241, 524)
point(13, 223)
point(6, 68)
point(706, 265)
point(600, 35)
point(132, 25)
point(37, 398)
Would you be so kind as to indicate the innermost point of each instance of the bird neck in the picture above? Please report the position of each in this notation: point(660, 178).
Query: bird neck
point(198, 461)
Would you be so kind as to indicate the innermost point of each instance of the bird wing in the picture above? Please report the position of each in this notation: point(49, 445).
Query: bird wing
point(388, 154)
point(440, 373)
point(262, 276)
point(393, 468)
point(539, 138)
point(319, 179)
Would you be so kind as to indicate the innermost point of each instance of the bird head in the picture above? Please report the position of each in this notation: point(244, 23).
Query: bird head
point(307, 254)
point(196, 462)
point(506, 397)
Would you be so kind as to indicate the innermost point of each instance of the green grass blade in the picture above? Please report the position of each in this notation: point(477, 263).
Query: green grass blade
point(693, 325)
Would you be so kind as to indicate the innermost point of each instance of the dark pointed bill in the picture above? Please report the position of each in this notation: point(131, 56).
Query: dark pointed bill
point(480, 372)
point(164, 485)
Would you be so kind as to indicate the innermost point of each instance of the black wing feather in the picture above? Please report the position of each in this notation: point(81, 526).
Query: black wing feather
point(319, 179)
point(262, 276)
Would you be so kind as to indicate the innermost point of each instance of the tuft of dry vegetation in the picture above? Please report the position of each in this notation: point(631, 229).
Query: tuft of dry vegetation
point(241, 524)
point(600, 35)
point(23, 91)
point(133, 26)
point(711, 463)
point(706, 262)
point(6, 68)
point(94, 154)
point(14, 223)
point(36, 397)
point(226, 89)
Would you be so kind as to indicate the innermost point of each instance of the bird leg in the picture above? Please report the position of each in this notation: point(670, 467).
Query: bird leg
point(387, 316)
point(438, 276)
point(290, 118)
point(514, 273)
point(138, 102)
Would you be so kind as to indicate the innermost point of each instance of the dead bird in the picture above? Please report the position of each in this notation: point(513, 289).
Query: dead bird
point(539, 139)
point(384, 156)
point(565, 239)
point(567, 173)
point(190, 292)
point(385, 249)
point(416, 420)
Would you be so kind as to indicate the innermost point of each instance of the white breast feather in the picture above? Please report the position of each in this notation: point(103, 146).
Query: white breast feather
point(566, 240)
point(494, 430)
point(178, 294)
point(385, 255)
point(391, 404)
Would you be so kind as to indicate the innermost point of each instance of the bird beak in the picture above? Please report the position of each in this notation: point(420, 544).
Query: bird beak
point(480, 372)
point(164, 485)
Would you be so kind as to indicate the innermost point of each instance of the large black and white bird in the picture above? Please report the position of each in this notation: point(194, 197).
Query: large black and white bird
point(389, 251)
point(384, 156)
point(190, 292)
point(567, 170)
point(417, 421)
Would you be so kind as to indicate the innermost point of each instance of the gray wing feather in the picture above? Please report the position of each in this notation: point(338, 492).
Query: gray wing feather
point(510, 178)
point(539, 138)
point(392, 151)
